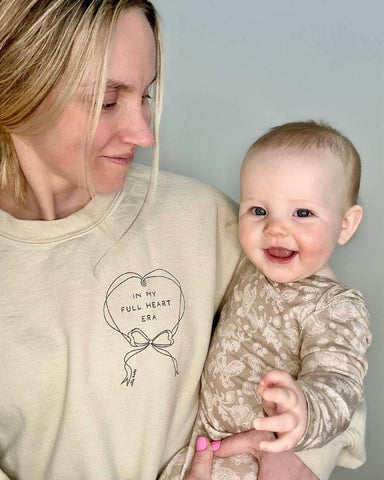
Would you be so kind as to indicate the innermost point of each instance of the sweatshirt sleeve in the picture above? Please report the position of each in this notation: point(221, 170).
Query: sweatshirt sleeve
point(346, 450)
point(335, 339)
point(228, 250)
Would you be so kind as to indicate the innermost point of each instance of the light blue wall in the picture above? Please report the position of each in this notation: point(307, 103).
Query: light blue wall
point(234, 69)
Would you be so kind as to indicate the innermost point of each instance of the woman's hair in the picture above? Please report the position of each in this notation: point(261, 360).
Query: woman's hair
point(52, 46)
point(306, 135)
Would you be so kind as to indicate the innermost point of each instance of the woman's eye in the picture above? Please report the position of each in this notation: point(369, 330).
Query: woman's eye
point(259, 211)
point(109, 105)
point(110, 99)
point(303, 212)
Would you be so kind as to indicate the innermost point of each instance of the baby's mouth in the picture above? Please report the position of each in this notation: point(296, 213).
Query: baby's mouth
point(279, 254)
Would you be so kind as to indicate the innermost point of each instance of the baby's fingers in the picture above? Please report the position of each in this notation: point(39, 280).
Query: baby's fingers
point(284, 422)
point(282, 444)
point(278, 378)
point(283, 397)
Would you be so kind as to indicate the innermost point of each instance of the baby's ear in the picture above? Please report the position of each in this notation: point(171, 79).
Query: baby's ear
point(351, 220)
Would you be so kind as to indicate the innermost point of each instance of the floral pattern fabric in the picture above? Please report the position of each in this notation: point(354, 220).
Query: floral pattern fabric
point(315, 329)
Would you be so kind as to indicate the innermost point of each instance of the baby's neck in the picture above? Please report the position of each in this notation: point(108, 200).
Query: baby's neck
point(327, 272)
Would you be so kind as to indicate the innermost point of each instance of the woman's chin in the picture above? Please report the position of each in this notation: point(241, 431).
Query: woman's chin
point(109, 185)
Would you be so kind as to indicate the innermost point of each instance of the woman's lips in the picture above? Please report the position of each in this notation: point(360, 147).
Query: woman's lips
point(279, 254)
point(123, 160)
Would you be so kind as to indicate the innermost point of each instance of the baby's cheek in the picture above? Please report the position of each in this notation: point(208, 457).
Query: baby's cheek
point(318, 245)
point(246, 235)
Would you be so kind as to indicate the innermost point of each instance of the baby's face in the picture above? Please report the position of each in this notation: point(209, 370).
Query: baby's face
point(291, 211)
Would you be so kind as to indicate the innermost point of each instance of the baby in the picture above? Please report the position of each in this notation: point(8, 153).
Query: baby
point(290, 330)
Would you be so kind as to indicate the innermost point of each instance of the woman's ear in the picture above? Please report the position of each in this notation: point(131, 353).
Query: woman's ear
point(351, 220)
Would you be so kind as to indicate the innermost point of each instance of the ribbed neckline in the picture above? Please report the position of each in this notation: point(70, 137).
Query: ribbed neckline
point(79, 223)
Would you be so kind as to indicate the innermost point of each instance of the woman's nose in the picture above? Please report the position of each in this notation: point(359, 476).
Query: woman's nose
point(276, 228)
point(135, 129)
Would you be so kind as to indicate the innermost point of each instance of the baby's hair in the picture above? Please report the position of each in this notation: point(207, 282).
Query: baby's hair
point(306, 135)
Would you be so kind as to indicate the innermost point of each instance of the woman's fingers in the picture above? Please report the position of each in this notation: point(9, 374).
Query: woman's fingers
point(202, 461)
point(246, 442)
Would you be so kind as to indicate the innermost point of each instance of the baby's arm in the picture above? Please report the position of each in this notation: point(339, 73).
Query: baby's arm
point(330, 384)
point(285, 404)
point(334, 341)
point(333, 366)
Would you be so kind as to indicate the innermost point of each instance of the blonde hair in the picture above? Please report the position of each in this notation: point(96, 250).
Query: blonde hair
point(48, 46)
point(306, 135)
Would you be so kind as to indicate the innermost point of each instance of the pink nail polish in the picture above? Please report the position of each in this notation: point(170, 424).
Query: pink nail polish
point(215, 445)
point(201, 444)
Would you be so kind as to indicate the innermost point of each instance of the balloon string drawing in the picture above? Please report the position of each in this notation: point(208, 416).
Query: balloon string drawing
point(138, 297)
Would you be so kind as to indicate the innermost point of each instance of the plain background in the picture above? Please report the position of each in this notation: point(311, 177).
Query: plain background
point(234, 69)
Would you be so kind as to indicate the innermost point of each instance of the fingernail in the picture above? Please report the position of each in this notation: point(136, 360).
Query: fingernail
point(256, 424)
point(215, 445)
point(201, 444)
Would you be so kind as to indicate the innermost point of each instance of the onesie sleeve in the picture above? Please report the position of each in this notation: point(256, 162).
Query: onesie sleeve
point(335, 337)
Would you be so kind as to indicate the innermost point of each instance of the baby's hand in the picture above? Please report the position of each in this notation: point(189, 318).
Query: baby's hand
point(285, 404)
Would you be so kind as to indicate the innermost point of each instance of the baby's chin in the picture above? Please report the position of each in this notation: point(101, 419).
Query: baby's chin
point(281, 277)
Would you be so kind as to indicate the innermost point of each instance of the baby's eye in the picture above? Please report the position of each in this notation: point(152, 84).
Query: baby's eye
point(259, 211)
point(303, 212)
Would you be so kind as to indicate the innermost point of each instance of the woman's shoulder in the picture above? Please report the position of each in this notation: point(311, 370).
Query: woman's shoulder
point(173, 185)
point(199, 198)
point(191, 187)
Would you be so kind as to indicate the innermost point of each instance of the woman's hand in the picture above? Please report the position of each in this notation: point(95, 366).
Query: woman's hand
point(287, 465)
point(246, 442)
point(273, 466)
point(202, 461)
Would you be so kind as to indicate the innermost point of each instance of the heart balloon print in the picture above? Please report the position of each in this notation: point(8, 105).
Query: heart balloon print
point(146, 311)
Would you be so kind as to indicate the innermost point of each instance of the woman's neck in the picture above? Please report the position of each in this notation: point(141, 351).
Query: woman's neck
point(44, 207)
point(50, 194)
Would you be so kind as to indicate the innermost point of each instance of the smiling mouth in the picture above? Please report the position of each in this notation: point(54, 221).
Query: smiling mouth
point(280, 255)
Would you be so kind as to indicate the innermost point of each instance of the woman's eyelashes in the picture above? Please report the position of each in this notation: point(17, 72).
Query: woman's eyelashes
point(109, 105)
point(112, 101)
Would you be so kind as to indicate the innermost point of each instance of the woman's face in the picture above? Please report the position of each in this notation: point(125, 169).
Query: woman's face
point(55, 157)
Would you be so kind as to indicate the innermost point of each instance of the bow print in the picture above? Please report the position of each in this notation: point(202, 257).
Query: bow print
point(140, 341)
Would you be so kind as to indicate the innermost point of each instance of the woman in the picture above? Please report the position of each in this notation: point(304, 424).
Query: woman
point(106, 312)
